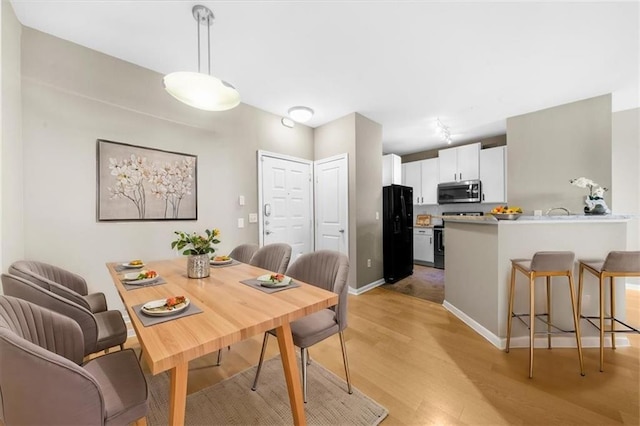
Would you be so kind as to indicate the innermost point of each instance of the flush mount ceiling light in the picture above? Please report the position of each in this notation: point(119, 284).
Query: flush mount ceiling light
point(199, 90)
point(444, 131)
point(287, 122)
point(300, 114)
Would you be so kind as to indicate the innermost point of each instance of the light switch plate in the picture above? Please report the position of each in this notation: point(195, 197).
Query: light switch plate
point(241, 200)
point(240, 222)
point(253, 217)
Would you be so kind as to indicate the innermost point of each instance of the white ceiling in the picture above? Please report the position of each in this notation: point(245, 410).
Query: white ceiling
point(400, 63)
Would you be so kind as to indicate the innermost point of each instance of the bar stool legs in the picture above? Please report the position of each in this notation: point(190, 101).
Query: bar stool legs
point(616, 264)
point(544, 264)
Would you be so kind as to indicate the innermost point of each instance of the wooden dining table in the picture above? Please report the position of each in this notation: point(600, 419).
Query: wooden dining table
point(231, 312)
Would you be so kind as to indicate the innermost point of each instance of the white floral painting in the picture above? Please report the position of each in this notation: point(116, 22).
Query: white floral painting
point(138, 183)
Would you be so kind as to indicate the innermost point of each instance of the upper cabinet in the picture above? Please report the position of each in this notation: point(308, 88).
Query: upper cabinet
point(493, 174)
point(391, 170)
point(422, 176)
point(459, 163)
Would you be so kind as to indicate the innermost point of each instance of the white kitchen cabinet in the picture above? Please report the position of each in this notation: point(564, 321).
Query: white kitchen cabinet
point(391, 170)
point(422, 176)
point(423, 245)
point(413, 178)
point(493, 174)
point(430, 179)
point(459, 163)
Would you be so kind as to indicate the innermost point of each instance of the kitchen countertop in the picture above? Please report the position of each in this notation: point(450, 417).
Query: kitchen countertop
point(526, 219)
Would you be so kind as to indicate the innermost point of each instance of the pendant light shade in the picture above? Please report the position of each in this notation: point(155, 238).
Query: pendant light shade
point(199, 90)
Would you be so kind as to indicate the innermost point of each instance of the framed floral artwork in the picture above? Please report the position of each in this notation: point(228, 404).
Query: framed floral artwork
point(136, 183)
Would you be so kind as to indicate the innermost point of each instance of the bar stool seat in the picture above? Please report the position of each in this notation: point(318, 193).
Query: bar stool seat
point(616, 264)
point(544, 264)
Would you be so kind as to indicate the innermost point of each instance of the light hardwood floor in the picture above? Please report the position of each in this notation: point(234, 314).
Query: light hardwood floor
point(427, 367)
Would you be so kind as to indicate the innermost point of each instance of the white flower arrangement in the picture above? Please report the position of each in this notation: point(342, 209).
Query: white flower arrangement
point(596, 192)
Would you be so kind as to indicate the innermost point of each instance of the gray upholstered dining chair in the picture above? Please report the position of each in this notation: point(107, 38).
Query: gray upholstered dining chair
point(328, 270)
point(243, 252)
point(100, 331)
point(60, 281)
point(272, 257)
point(42, 380)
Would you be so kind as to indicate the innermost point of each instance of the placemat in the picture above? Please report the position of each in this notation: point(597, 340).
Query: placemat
point(149, 320)
point(256, 284)
point(128, 286)
point(233, 263)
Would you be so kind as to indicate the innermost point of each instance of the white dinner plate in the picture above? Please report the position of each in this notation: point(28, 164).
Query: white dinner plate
point(131, 278)
point(128, 265)
point(158, 308)
point(265, 281)
point(220, 262)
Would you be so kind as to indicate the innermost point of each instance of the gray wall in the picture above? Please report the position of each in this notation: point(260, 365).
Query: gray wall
point(11, 171)
point(72, 96)
point(368, 199)
point(361, 139)
point(550, 147)
point(625, 188)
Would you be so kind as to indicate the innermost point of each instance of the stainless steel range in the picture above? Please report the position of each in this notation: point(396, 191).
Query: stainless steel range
point(438, 237)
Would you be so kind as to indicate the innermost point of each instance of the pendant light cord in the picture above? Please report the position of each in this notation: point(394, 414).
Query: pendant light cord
point(198, 24)
point(209, 41)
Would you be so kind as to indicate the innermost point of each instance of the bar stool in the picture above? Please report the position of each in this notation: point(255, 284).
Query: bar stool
point(616, 264)
point(544, 264)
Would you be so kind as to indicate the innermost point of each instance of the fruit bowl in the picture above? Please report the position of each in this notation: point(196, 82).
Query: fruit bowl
point(506, 216)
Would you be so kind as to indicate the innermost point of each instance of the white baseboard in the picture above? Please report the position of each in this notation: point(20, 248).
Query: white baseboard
point(539, 342)
point(477, 327)
point(127, 321)
point(630, 286)
point(360, 290)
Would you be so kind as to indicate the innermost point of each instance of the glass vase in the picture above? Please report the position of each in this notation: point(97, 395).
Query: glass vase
point(198, 266)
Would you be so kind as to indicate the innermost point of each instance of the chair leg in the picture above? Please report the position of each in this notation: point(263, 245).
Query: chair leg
point(576, 322)
point(346, 362)
point(532, 320)
point(580, 281)
point(612, 300)
point(548, 312)
point(122, 346)
point(140, 355)
point(142, 421)
point(510, 312)
point(303, 362)
point(601, 323)
point(219, 357)
point(308, 357)
point(264, 348)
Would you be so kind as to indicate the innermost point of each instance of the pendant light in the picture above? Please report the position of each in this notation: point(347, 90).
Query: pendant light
point(199, 90)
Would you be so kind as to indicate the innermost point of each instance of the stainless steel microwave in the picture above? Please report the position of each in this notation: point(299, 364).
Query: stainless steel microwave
point(469, 191)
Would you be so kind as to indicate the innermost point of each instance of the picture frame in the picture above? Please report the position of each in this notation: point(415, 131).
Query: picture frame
point(136, 183)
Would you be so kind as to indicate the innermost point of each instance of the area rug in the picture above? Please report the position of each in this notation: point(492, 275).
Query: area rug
point(426, 283)
point(232, 402)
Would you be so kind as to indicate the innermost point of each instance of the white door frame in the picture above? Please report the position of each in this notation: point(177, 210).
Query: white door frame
point(345, 157)
point(260, 156)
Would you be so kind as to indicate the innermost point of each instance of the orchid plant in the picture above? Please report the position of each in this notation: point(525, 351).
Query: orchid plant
point(596, 192)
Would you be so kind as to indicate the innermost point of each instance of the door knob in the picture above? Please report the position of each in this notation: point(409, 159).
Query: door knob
point(267, 232)
point(341, 231)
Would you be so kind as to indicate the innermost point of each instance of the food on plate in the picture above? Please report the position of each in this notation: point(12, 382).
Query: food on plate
point(135, 262)
point(174, 301)
point(276, 278)
point(221, 258)
point(506, 210)
point(146, 274)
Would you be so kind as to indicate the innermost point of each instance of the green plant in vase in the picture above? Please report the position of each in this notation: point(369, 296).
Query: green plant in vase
point(198, 248)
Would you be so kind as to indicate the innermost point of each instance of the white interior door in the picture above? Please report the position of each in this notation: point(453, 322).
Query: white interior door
point(332, 204)
point(285, 197)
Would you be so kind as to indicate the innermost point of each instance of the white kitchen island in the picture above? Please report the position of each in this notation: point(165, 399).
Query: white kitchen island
point(478, 267)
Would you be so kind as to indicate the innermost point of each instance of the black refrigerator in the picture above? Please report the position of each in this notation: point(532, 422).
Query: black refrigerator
point(397, 232)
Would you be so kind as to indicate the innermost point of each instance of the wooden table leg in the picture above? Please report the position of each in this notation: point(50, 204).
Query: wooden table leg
point(178, 394)
point(288, 355)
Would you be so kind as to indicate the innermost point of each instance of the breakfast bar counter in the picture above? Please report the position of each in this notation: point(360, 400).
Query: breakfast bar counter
point(478, 267)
